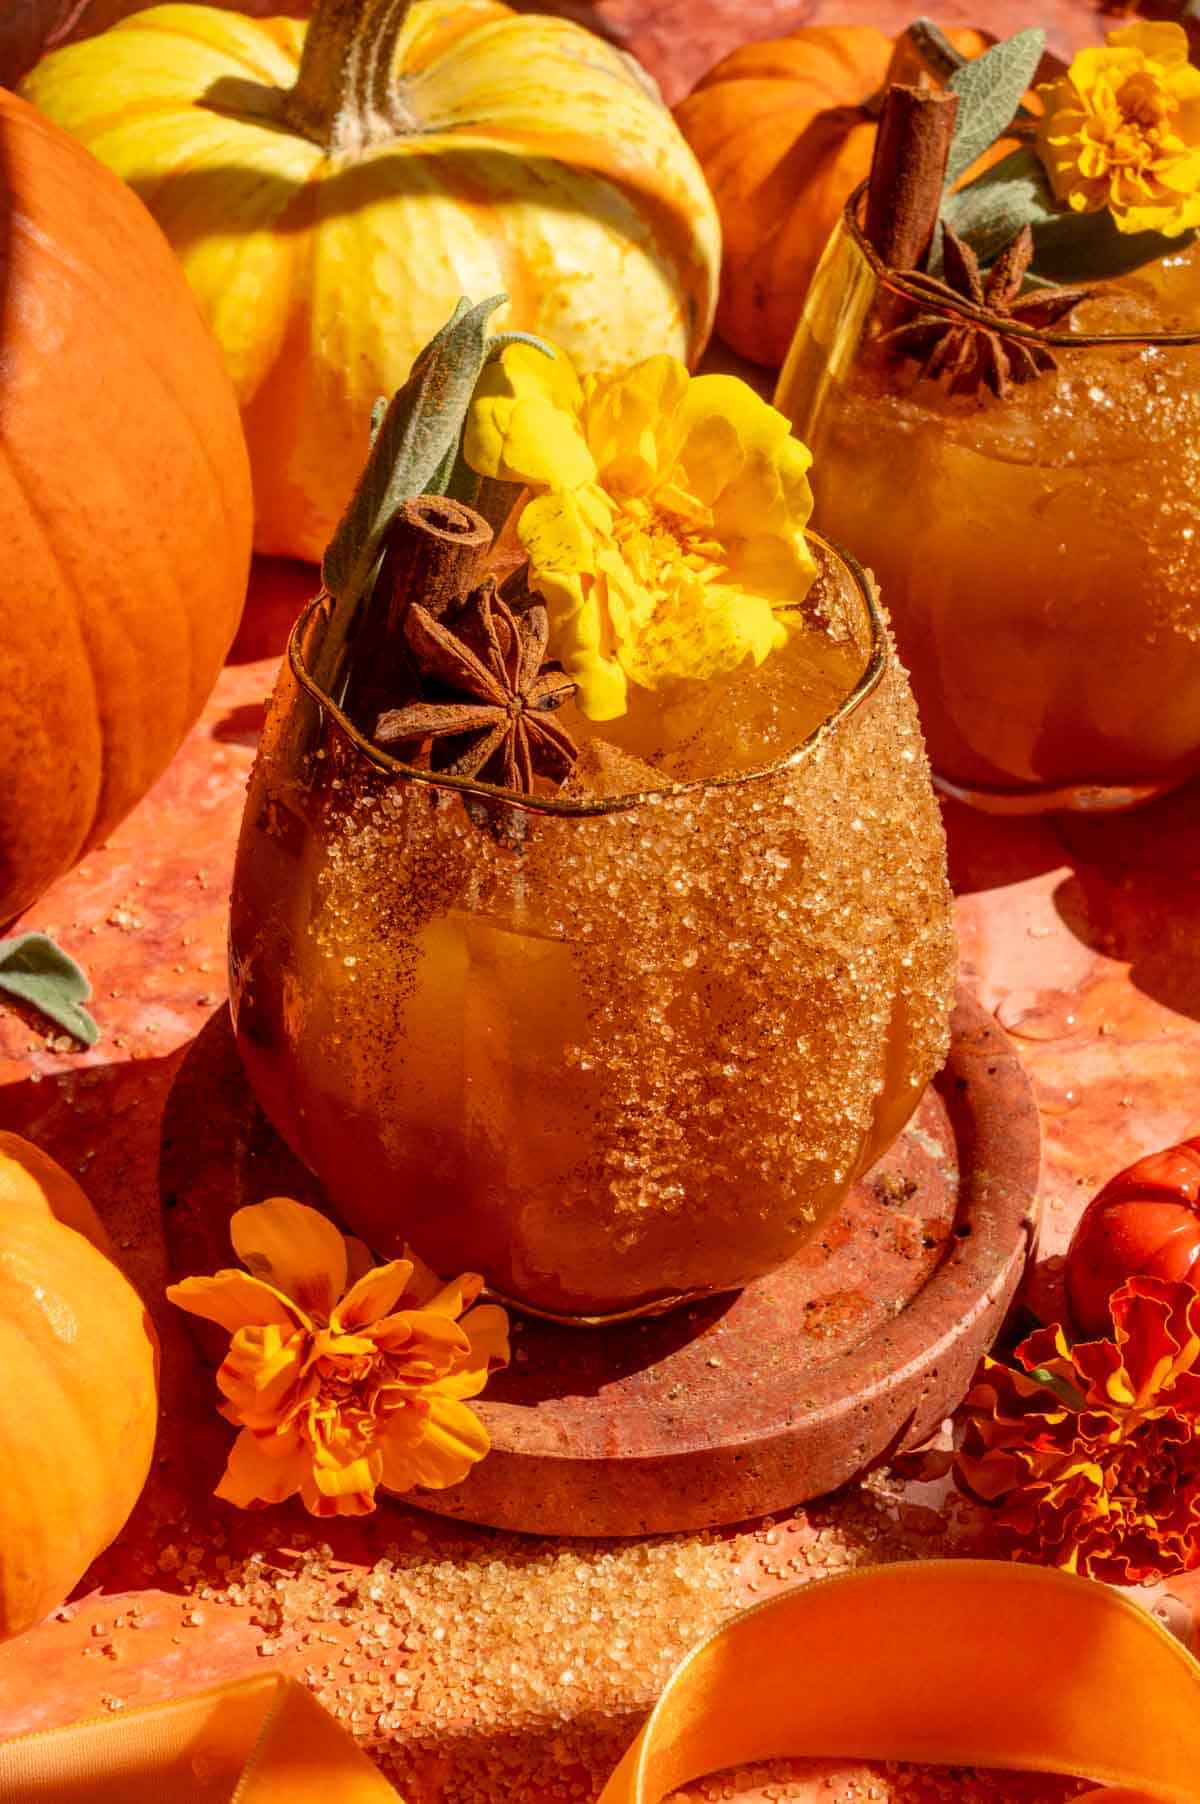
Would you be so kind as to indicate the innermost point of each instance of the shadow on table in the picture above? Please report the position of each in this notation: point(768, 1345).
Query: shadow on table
point(989, 851)
point(1135, 894)
point(1132, 888)
point(279, 588)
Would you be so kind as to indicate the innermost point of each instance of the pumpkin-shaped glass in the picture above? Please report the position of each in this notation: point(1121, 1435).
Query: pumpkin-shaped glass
point(609, 1049)
point(1039, 551)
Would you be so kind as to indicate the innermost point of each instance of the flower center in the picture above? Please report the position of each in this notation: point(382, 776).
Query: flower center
point(663, 548)
point(1143, 101)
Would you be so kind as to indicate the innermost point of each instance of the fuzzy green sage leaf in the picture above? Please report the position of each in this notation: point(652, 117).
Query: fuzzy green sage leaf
point(37, 972)
point(1068, 247)
point(414, 447)
point(992, 210)
point(934, 48)
point(989, 93)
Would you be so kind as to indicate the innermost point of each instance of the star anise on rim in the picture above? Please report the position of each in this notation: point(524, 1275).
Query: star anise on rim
point(488, 700)
point(967, 352)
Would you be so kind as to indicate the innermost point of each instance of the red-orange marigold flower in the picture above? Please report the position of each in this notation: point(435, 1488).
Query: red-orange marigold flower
point(1090, 1455)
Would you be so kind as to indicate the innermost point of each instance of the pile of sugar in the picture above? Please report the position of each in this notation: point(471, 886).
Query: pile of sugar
point(482, 1668)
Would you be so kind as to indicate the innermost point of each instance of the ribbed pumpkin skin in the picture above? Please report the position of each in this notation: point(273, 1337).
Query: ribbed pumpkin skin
point(79, 1400)
point(539, 166)
point(779, 130)
point(124, 505)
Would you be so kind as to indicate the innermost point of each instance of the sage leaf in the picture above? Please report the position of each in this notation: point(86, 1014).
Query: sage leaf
point(37, 972)
point(1068, 247)
point(1013, 193)
point(415, 445)
point(1085, 247)
point(989, 93)
point(934, 48)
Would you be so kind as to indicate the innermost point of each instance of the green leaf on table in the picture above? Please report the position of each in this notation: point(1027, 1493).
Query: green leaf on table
point(41, 974)
point(989, 93)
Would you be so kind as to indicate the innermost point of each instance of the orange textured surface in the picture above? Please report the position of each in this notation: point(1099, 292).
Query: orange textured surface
point(1079, 935)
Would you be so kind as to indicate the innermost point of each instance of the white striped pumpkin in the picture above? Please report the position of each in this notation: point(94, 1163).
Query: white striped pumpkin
point(329, 213)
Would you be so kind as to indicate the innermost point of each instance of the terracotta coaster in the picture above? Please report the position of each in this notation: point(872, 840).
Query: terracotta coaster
point(745, 1404)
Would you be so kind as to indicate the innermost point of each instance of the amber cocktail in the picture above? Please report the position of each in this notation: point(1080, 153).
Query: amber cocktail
point(1039, 552)
point(626, 1043)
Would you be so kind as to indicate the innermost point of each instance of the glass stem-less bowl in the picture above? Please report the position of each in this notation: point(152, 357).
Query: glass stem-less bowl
point(1039, 552)
point(610, 1050)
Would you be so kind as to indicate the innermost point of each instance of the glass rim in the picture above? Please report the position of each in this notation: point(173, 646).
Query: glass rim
point(909, 286)
point(584, 806)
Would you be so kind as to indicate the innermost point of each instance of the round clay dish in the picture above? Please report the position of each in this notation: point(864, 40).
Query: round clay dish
point(746, 1403)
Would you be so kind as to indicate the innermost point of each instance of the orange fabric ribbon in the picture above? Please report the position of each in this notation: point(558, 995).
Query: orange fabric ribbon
point(961, 1662)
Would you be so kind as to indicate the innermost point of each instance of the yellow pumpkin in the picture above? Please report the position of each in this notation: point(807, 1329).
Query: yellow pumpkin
point(784, 131)
point(79, 1398)
point(333, 190)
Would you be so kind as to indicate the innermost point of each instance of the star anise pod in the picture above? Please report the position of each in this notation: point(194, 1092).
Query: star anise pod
point(967, 352)
point(488, 696)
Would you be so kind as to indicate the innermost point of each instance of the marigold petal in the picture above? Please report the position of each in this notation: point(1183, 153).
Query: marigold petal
point(563, 535)
point(235, 1300)
point(261, 1373)
point(452, 1298)
point(334, 1485)
point(255, 1475)
point(523, 422)
point(359, 1259)
point(486, 1328)
point(423, 1345)
point(1164, 44)
point(294, 1248)
point(372, 1296)
point(451, 1441)
point(630, 423)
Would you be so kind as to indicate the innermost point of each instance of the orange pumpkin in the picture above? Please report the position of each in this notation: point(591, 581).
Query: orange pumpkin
point(125, 509)
point(79, 1400)
point(784, 131)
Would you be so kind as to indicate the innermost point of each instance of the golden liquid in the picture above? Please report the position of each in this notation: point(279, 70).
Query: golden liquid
point(600, 1059)
point(1040, 555)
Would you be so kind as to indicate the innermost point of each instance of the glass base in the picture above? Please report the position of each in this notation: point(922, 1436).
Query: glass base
point(1072, 798)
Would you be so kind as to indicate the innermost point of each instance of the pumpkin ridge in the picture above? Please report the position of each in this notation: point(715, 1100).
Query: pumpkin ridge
point(165, 580)
point(174, 21)
point(83, 663)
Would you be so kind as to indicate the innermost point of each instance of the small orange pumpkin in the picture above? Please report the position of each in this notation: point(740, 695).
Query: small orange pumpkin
point(79, 1400)
point(784, 131)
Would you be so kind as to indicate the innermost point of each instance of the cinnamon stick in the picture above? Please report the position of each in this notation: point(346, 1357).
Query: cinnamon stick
point(434, 553)
point(908, 172)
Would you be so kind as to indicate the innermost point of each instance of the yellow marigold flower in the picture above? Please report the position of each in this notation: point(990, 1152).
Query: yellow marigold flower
point(666, 532)
point(342, 1375)
point(1122, 130)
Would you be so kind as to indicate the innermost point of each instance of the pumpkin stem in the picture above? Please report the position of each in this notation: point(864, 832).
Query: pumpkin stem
point(345, 97)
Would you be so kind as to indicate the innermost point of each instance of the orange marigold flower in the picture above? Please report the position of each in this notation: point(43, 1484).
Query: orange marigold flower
point(342, 1375)
point(1090, 1455)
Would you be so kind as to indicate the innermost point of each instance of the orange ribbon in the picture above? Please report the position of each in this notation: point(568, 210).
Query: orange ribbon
point(959, 1662)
